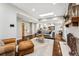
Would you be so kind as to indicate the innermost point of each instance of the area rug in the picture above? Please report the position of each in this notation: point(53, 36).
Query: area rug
point(42, 49)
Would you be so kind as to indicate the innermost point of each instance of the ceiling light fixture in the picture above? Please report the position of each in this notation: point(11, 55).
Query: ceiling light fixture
point(47, 14)
point(54, 18)
point(33, 9)
point(54, 3)
point(55, 15)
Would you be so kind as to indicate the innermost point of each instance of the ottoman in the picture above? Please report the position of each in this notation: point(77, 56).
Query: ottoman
point(25, 47)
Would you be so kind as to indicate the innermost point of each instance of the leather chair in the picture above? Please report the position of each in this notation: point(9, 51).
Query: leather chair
point(9, 47)
point(25, 47)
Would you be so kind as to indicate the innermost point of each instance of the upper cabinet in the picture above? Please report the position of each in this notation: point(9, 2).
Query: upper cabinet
point(75, 21)
point(73, 15)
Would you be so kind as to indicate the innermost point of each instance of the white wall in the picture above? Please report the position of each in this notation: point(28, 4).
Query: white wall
point(19, 30)
point(74, 31)
point(34, 28)
point(28, 28)
point(8, 15)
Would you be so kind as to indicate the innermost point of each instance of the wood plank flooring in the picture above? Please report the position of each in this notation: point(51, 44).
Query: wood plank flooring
point(56, 49)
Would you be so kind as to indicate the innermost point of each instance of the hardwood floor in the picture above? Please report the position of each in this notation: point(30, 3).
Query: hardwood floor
point(56, 49)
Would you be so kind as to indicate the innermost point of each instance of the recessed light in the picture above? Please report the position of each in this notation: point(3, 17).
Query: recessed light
point(55, 15)
point(54, 18)
point(54, 3)
point(33, 9)
point(47, 14)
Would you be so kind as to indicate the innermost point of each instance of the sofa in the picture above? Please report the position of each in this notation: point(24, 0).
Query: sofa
point(8, 47)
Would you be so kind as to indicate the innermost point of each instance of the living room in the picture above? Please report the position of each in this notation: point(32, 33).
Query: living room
point(39, 29)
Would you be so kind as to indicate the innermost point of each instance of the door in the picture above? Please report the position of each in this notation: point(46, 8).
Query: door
point(23, 30)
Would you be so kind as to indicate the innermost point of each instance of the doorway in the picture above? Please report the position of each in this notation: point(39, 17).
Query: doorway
point(20, 29)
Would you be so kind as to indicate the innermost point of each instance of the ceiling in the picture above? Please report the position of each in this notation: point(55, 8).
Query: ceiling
point(36, 9)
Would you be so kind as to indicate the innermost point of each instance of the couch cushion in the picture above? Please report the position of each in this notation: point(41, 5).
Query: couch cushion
point(2, 51)
point(9, 48)
point(1, 43)
point(25, 45)
point(10, 40)
point(1, 47)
